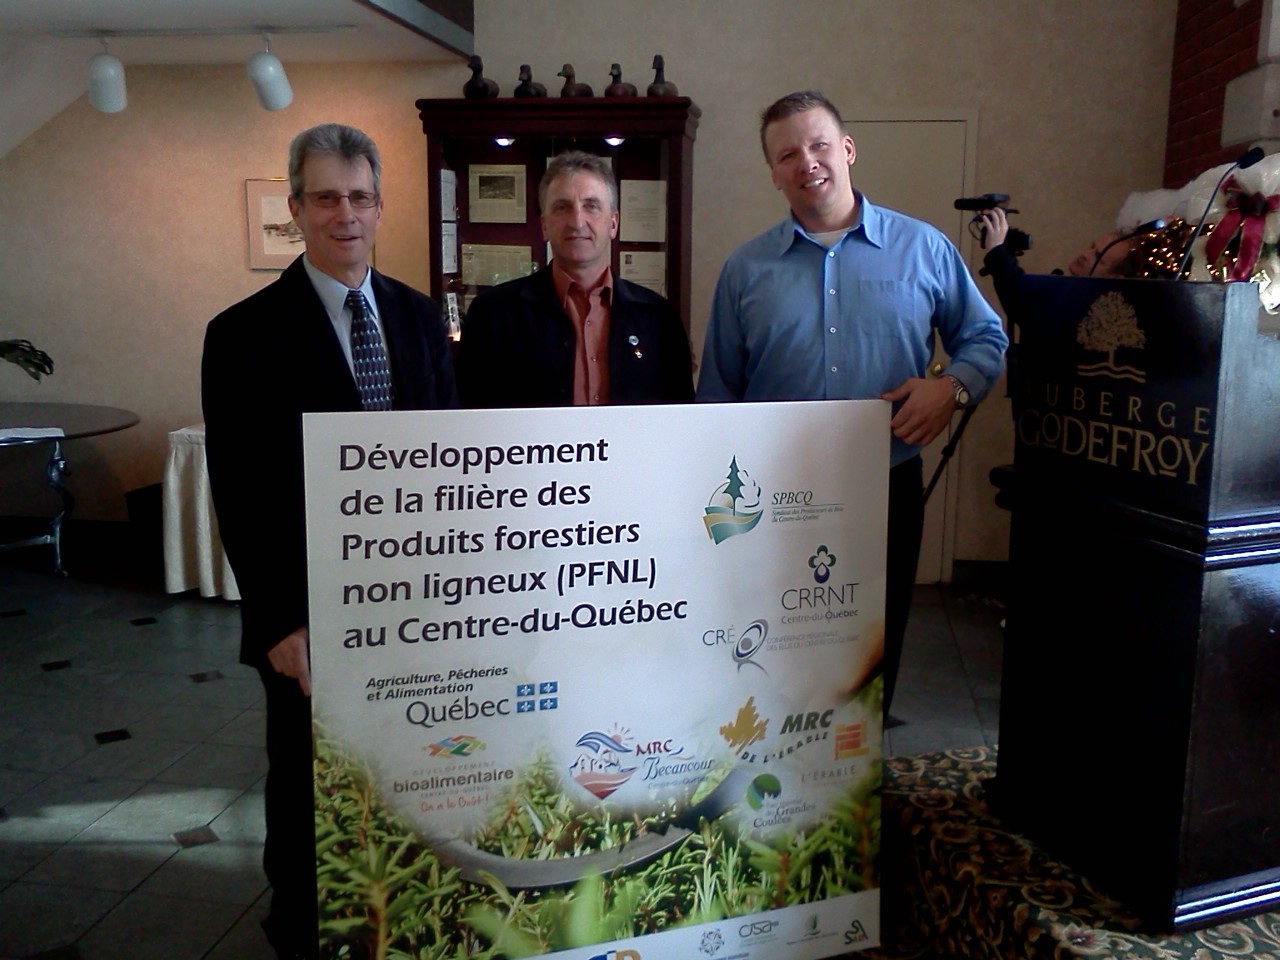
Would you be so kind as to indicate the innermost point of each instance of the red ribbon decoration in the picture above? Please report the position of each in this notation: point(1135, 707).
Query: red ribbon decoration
point(1246, 212)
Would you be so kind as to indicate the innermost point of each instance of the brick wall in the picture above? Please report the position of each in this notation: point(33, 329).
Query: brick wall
point(1214, 42)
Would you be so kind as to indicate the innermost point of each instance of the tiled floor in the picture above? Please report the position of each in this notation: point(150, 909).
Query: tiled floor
point(131, 763)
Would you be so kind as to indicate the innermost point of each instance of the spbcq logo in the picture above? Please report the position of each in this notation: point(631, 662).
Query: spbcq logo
point(734, 507)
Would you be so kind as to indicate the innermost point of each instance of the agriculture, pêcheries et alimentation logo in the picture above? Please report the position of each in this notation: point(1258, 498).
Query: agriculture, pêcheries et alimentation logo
point(734, 507)
point(463, 745)
point(1111, 324)
point(531, 697)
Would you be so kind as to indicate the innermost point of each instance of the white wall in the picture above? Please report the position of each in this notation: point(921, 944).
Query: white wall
point(126, 232)
point(1072, 100)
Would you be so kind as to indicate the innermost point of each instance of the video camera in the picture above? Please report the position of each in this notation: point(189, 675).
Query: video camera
point(1016, 241)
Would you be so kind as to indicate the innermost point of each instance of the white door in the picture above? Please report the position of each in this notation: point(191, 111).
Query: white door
point(920, 166)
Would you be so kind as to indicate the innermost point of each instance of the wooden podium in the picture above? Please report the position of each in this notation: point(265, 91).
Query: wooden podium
point(1140, 700)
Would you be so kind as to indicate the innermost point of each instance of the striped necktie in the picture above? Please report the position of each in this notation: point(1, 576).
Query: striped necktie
point(373, 375)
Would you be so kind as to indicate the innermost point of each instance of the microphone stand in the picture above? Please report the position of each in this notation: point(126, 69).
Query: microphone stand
point(1144, 228)
point(1246, 159)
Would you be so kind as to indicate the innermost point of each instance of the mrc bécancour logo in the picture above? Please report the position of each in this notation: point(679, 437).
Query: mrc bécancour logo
point(1110, 324)
point(734, 506)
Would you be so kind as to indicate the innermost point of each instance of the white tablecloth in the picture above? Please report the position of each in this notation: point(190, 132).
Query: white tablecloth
point(193, 554)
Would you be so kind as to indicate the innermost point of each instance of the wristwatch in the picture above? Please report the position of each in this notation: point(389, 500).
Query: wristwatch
point(959, 392)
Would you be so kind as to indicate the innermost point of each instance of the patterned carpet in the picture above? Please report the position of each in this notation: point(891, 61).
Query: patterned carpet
point(957, 884)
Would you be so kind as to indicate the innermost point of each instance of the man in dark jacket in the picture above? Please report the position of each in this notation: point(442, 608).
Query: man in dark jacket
point(572, 333)
point(330, 334)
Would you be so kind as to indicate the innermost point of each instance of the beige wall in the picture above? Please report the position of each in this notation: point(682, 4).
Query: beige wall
point(1071, 100)
point(126, 233)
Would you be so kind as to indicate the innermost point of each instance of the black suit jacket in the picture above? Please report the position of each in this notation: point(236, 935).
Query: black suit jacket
point(268, 360)
point(517, 347)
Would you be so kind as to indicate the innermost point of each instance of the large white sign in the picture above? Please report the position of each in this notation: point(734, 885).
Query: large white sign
point(608, 674)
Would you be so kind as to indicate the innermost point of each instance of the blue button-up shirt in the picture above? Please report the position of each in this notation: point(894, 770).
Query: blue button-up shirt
point(793, 320)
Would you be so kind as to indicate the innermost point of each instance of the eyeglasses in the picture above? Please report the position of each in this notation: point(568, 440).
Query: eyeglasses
point(360, 199)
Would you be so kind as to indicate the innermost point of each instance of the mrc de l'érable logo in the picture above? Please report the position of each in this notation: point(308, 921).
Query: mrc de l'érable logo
point(734, 507)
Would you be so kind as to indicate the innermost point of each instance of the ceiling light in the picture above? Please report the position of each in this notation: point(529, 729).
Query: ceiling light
point(269, 81)
point(105, 76)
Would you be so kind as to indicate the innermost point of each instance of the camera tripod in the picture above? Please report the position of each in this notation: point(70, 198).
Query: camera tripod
point(949, 450)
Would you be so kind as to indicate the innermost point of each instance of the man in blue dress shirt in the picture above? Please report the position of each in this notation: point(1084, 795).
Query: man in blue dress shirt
point(840, 301)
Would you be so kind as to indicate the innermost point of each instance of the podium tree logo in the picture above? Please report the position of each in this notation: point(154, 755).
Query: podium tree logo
point(1111, 324)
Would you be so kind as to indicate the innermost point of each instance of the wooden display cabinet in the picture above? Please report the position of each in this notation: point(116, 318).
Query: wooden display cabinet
point(653, 141)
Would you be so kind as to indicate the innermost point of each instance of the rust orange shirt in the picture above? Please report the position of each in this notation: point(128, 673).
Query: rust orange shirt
point(589, 312)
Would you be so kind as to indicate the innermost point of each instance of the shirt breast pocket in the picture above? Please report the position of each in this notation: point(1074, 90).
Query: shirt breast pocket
point(892, 308)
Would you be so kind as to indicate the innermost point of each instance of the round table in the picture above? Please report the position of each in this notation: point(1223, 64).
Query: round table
point(25, 424)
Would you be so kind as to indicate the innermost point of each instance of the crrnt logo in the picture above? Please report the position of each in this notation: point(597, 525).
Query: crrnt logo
point(1110, 324)
point(734, 507)
point(821, 563)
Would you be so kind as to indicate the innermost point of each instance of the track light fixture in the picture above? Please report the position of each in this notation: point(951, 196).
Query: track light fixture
point(105, 77)
point(269, 81)
point(105, 73)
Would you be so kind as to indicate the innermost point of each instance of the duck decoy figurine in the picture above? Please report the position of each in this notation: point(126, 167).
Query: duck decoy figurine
point(479, 87)
point(617, 88)
point(660, 87)
point(529, 87)
point(571, 86)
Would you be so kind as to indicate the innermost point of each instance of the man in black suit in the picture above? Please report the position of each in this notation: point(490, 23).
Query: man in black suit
point(312, 341)
point(572, 333)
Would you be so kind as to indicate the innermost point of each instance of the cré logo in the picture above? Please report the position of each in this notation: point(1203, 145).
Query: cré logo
point(734, 507)
point(750, 642)
point(1111, 324)
point(746, 644)
point(618, 955)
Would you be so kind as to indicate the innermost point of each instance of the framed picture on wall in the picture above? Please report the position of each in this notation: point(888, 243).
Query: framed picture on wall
point(274, 239)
